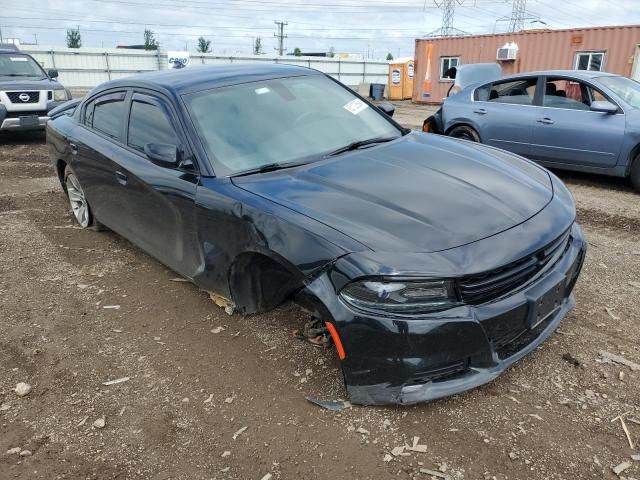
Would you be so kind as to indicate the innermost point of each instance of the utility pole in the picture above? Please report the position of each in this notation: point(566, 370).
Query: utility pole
point(280, 36)
point(518, 15)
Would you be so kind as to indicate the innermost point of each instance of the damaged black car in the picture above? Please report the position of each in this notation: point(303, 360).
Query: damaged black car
point(434, 263)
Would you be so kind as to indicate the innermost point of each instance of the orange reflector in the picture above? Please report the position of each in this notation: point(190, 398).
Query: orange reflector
point(336, 340)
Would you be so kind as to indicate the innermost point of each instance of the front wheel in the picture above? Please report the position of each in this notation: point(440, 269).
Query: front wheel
point(465, 132)
point(79, 206)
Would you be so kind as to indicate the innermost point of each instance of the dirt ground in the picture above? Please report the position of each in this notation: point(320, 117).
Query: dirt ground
point(231, 405)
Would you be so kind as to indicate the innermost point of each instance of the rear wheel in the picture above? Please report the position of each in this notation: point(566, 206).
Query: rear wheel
point(634, 175)
point(465, 132)
point(79, 206)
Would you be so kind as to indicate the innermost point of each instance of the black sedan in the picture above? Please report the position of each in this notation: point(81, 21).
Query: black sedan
point(434, 263)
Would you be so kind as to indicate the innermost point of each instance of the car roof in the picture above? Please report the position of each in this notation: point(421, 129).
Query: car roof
point(202, 77)
point(579, 74)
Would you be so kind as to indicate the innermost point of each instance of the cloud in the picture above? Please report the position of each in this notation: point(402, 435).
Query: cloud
point(369, 27)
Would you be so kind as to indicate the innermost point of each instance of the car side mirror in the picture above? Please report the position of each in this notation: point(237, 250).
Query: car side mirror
point(163, 154)
point(52, 72)
point(603, 107)
point(387, 108)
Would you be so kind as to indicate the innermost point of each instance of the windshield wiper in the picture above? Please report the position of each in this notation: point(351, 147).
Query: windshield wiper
point(269, 167)
point(17, 75)
point(359, 144)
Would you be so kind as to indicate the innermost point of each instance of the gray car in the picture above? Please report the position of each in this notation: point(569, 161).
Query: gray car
point(575, 120)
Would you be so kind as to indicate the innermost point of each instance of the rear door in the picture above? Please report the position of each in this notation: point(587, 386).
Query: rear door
point(505, 113)
point(567, 132)
point(93, 143)
point(161, 201)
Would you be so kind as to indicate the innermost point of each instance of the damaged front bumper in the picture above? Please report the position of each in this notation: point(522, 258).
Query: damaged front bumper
point(407, 361)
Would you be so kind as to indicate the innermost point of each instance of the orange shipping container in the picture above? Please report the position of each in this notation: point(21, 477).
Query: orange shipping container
point(537, 50)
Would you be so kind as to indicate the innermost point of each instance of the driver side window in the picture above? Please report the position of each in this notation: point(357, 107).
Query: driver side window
point(149, 124)
point(570, 94)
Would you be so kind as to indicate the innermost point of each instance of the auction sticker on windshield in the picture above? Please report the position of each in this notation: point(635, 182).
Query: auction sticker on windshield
point(18, 59)
point(355, 106)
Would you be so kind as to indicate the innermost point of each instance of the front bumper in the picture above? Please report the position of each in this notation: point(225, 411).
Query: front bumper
point(406, 361)
point(15, 124)
point(25, 120)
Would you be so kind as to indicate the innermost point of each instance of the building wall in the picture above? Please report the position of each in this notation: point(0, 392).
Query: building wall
point(538, 50)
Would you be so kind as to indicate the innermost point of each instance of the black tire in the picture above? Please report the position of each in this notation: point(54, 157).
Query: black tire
point(465, 132)
point(80, 209)
point(634, 175)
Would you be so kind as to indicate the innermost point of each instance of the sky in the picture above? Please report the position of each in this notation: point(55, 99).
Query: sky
point(372, 28)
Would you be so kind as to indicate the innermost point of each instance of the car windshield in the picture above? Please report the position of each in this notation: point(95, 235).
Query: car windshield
point(625, 88)
point(16, 65)
point(282, 121)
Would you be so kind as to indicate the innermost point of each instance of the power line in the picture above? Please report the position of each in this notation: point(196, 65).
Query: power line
point(280, 36)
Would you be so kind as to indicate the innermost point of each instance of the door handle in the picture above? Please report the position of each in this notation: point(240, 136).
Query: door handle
point(74, 148)
point(122, 177)
point(480, 111)
point(546, 121)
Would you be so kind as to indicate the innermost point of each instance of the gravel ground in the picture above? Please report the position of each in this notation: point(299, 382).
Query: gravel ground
point(231, 404)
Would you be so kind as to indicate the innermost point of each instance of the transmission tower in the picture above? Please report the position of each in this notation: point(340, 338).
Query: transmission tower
point(518, 15)
point(280, 36)
point(519, 18)
point(448, 10)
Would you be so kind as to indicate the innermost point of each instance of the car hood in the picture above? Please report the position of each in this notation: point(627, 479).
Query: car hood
point(420, 193)
point(15, 83)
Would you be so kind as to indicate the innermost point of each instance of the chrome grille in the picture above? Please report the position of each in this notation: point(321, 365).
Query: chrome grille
point(484, 287)
point(31, 97)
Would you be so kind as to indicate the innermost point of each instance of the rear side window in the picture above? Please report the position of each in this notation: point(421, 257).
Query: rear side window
point(149, 124)
point(106, 114)
point(515, 92)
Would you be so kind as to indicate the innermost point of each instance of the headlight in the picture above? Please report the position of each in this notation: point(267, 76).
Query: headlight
point(60, 95)
point(400, 297)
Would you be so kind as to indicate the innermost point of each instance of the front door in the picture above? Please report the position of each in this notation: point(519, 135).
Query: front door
point(567, 132)
point(161, 200)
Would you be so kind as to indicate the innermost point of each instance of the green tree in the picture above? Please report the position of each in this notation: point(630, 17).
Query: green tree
point(389, 57)
point(150, 42)
point(297, 52)
point(257, 46)
point(74, 39)
point(203, 45)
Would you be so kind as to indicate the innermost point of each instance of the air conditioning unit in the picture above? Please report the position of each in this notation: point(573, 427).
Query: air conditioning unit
point(507, 52)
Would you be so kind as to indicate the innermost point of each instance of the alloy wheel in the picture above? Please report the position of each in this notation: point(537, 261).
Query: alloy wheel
point(78, 201)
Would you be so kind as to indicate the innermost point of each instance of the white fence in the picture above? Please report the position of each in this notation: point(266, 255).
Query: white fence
point(87, 67)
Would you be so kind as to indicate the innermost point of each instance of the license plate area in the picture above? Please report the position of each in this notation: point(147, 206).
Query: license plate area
point(29, 121)
point(545, 299)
